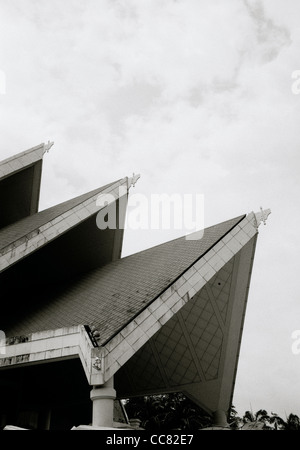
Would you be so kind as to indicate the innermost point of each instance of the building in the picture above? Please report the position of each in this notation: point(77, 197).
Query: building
point(84, 327)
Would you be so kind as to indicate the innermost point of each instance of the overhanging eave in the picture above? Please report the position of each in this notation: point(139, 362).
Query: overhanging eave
point(20, 182)
point(211, 298)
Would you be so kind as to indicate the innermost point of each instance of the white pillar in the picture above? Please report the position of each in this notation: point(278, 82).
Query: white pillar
point(220, 419)
point(103, 404)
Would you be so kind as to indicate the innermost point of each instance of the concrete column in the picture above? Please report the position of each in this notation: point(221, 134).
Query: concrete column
point(220, 419)
point(103, 404)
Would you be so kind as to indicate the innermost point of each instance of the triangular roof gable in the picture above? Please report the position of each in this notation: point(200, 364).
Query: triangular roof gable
point(20, 161)
point(110, 297)
point(20, 180)
point(189, 338)
point(18, 230)
point(31, 233)
point(190, 305)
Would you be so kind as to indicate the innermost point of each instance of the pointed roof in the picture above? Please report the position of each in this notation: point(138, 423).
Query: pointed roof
point(111, 296)
point(22, 228)
point(25, 236)
point(20, 180)
point(20, 161)
point(167, 319)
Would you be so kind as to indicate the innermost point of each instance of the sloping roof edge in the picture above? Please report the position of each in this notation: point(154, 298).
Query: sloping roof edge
point(41, 233)
point(239, 219)
point(21, 160)
point(144, 325)
point(110, 357)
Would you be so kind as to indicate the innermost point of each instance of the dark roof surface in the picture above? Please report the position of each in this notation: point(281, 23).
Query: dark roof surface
point(23, 227)
point(111, 296)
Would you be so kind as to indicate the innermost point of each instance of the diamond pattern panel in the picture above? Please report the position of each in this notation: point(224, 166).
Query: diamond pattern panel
point(189, 345)
point(142, 370)
point(220, 286)
point(205, 333)
point(175, 354)
point(202, 323)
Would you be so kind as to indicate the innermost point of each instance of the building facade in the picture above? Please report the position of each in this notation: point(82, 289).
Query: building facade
point(83, 327)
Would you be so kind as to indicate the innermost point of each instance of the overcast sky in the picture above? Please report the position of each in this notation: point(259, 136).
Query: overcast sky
point(197, 96)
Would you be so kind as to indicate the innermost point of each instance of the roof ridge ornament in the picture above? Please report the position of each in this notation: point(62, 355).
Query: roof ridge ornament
point(262, 216)
point(132, 180)
point(48, 146)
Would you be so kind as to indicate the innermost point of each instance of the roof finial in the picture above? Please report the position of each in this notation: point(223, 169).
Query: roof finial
point(133, 180)
point(262, 216)
point(48, 146)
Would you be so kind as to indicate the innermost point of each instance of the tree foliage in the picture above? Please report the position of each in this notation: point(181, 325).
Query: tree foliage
point(167, 412)
point(174, 411)
point(269, 422)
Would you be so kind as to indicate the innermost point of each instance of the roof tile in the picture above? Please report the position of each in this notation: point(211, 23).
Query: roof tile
point(111, 296)
point(17, 230)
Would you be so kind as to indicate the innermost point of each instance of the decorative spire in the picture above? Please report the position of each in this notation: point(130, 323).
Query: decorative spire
point(133, 180)
point(48, 146)
point(262, 216)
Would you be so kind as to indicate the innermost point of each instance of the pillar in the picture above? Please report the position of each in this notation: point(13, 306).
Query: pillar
point(103, 404)
point(220, 419)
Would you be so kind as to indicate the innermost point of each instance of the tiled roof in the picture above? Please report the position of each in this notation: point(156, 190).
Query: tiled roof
point(23, 227)
point(111, 296)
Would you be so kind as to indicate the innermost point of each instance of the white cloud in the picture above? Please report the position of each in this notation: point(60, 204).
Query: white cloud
point(195, 96)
